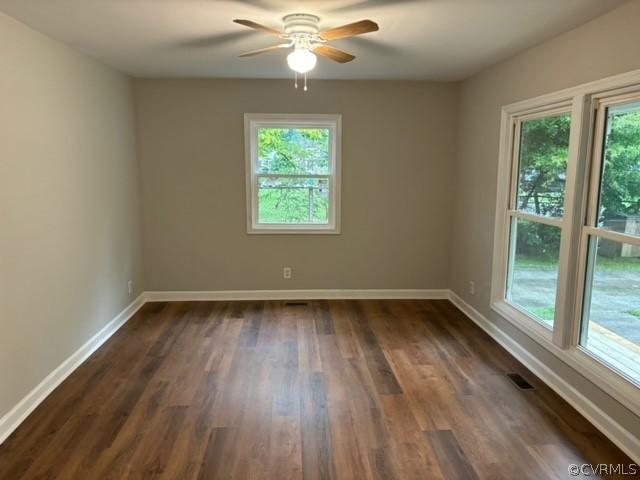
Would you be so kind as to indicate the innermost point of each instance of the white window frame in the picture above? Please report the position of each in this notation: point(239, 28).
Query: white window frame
point(254, 121)
point(509, 164)
point(589, 228)
point(581, 192)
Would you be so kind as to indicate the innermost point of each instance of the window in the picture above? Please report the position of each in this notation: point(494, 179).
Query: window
point(566, 266)
point(293, 173)
point(536, 209)
point(611, 305)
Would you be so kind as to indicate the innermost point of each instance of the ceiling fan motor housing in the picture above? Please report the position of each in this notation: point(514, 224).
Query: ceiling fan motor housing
point(301, 23)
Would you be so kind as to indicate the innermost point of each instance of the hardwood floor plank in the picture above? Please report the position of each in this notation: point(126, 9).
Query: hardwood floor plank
point(219, 456)
point(308, 349)
point(251, 326)
point(383, 377)
point(453, 461)
point(415, 457)
point(317, 449)
point(157, 454)
point(322, 318)
point(285, 456)
point(354, 390)
point(286, 397)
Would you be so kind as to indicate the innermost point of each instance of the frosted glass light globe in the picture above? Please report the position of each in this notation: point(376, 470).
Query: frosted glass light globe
point(301, 60)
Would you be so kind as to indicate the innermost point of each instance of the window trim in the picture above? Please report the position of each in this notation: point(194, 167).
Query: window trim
point(252, 121)
point(506, 211)
point(563, 342)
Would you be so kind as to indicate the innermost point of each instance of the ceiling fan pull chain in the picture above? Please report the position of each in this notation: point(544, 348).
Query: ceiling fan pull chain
point(295, 79)
point(305, 81)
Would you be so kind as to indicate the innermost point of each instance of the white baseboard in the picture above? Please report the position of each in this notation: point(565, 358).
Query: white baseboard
point(614, 431)
point(10, 421)
point(296, 295)
point(627, 442)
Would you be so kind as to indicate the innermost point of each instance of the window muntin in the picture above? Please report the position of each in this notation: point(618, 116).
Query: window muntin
point(293, 172)
point(536, 208)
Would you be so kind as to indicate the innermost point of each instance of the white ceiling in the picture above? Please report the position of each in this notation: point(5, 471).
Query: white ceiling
point(418, 39)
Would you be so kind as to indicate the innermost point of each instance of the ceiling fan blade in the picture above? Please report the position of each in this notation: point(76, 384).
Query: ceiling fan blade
point(333, 53)
point(257, 26)
point(265, 50)
point(350, 30)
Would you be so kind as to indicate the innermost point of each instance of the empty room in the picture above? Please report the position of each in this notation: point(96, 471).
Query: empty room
point(332, 239)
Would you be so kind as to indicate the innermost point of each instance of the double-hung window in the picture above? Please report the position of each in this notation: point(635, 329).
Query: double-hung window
point(293, 173)
point(610, 327)
point(566, 267)
point(536, 210)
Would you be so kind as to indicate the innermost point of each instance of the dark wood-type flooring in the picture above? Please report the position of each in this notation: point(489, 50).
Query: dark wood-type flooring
point(323, 390)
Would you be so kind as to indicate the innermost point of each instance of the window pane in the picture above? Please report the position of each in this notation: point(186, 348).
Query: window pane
point(542, 168)
point(620, 189)
point(533, 268)
point(293, 151)
point(611, 314)
point(293, 200)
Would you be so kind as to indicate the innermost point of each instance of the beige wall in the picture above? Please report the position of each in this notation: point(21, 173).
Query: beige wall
point(69, 214)
point(397, 157)
point(606, 46)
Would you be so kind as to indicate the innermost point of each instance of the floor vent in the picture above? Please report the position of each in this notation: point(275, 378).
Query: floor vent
point(519, 381)
point(295, 304)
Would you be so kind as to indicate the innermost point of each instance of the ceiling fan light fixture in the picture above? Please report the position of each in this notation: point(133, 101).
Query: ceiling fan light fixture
point(302, 33)
point(301, 60)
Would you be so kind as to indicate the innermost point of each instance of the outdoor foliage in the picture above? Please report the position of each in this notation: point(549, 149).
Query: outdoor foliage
point(296, 200)
point(537, 240)
point(293, 150)
point(621, 176)
point(284, 152)
point(543, 163)
point(544, 150)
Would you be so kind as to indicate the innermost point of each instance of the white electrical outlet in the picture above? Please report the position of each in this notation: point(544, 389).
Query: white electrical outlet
point(130, 286)
point(472, 287)
point(286, 273)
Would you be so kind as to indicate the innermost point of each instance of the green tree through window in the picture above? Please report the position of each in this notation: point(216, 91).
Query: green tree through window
point(299, 152)
point(620, 192)
point(543, 163)
point(544, 151)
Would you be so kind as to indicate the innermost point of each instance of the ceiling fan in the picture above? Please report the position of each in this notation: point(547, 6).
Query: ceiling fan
point(301, 32)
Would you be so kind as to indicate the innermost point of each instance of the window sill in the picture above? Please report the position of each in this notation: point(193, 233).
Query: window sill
point(522, 321)
point(292, 230)
point(586, 364)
